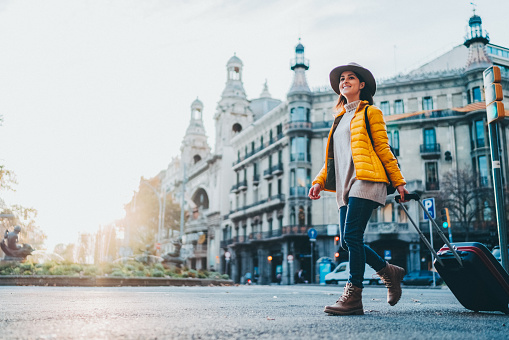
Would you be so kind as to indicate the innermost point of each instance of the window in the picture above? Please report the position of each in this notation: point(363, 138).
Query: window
point(469, 99)
point(476, 94)
point(395, 141)
point(280, 157)
point(261, 142)
point(483, 171)
point(427, 103)
point(299, 149)
point(270, 137)
point(432, 176)
point(430, 139)
point(479, 133)
point(279, 130)
point(299, 114)
point(399, 107)
point(269, 194)
point(279, 187)
point(385, 107)
point(252, 147)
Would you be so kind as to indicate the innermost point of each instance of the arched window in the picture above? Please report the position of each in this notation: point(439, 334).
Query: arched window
point(196, 158)
point(201, 199)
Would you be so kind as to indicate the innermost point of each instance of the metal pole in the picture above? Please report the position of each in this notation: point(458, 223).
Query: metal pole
point(312, 278)
point(182, 203)
point(432, 264)
point(499, 193)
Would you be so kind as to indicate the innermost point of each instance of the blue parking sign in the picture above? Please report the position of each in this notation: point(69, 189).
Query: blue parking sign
point(429, 205)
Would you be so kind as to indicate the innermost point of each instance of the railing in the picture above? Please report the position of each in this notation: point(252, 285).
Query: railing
point(298, 125)
point(322, 125)
point(277, 169)
point(267, 173)
point(299, 191)
point(296, 229)
point(256, 179)
point(300, 157)
point(235, 188)
point(242, 185)
point(430, 148)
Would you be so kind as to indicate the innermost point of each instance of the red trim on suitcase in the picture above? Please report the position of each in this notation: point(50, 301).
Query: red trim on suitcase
point(486, 261)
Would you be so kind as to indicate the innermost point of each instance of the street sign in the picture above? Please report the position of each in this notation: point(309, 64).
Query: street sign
point(227, 255)
point(312, 234)
point(387, 254)
point(290, 258)
point(429, 204)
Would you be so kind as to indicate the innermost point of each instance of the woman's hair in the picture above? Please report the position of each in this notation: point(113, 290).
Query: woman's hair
point(365, 95)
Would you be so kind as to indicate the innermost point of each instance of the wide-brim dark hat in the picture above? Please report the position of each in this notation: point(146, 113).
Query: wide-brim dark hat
point(366, 75)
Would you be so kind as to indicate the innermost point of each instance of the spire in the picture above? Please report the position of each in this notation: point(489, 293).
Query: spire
point(234, 86)
point(265, 93)
point(476, 40)
point(299, 65)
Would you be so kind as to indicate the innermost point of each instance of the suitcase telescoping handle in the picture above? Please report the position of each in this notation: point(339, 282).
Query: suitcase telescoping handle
point(417, 198)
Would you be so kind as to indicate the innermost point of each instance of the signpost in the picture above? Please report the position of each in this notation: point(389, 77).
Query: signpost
point(495, 112)
point(429, 204)
point(312, 233)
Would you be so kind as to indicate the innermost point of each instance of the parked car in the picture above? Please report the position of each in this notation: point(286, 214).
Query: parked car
point(421, 278)
point(342, 272)
point(496, 252)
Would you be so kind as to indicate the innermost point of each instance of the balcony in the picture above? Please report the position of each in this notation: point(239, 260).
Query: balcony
point(235, 188)
point(267, 174)
point(242, 185)
point(432, 186)
point(430, 151)
point(267, 204)
point(277, 169)
point(256, 179)
point(296, 230)
point(298, 126)
point(300, 157)
point(299, 191)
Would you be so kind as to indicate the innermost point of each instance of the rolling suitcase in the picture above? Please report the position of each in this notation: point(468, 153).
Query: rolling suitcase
point(469, 269)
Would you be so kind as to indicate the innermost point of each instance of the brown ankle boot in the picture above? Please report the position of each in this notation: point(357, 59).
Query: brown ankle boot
point(350, 303)
point(391, 276)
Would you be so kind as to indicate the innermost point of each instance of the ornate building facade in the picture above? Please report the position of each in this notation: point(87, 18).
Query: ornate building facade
point(246, 201)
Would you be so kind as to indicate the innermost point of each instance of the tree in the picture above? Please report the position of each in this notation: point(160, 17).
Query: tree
point(142, 216)
point(7, 178)
point(464, 198)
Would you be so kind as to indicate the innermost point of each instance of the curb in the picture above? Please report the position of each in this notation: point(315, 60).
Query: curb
point(105, 281)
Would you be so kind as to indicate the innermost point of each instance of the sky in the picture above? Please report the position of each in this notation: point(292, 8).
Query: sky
point(96, 94)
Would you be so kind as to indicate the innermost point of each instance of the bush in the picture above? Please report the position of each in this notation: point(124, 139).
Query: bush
point(157, 273)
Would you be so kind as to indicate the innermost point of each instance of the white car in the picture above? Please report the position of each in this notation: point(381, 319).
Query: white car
point(342, 273)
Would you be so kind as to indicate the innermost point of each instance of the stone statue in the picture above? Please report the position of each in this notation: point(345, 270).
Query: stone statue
point(173, 258)
point(13, 251)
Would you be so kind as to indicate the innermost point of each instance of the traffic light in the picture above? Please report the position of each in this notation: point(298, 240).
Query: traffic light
point(493, 94)
point(336, 255)
point(269, 258)
point(336, 240)
point(446, 222)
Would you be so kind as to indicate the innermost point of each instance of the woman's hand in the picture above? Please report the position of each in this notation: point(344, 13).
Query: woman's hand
point(314, 192)
point(402, 191)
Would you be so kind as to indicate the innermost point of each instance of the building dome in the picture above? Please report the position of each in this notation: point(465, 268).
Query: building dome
point(234, 61)
point(197, 104)
point(299, 48)
point(475, 19)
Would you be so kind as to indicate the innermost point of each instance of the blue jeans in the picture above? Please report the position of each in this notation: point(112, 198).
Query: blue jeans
point(353, 219)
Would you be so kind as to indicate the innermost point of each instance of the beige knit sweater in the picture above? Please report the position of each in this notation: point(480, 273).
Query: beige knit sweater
point(346, 183)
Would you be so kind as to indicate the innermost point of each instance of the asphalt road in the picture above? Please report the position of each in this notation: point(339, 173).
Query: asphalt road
point(236, 312)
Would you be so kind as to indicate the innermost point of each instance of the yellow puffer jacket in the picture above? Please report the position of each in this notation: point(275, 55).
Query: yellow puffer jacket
point(371, 164)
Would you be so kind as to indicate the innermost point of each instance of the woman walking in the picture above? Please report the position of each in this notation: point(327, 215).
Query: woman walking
point(358, 167)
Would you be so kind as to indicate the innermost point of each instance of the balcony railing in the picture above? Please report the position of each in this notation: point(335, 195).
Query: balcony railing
point(429, 151)
point(299, 126)
point(299, 191)
point(267, 173)
point(300, 157)
point(235, 188)
point(242, 185)
point(277, 169)
point(256, 179)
